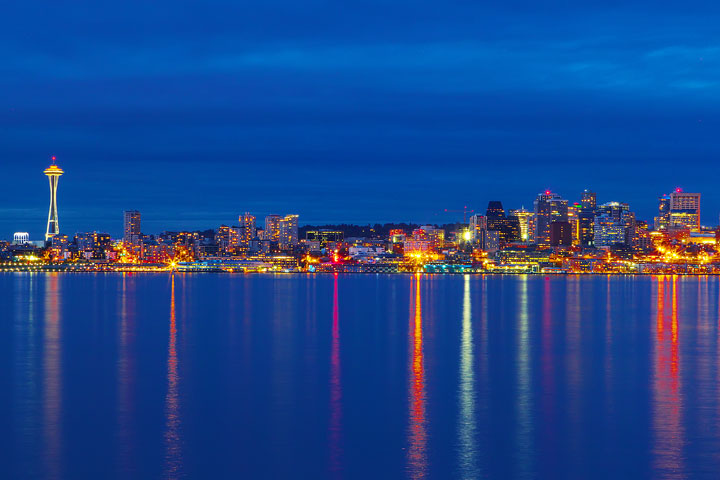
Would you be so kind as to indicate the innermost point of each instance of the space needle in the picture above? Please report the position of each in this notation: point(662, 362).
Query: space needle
point(53, 173)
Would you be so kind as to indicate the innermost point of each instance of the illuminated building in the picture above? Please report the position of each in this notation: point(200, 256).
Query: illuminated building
point(662, 221)
point(477, 224)
point(323, 237)
point(574, 221)
point(526, 224)
point(489, 240)
point(608, 231)
point(272, 228)
point(288, 232)
point(616, 217)
point(642, 238)
point(397, 235)
point(436, 236)
point(588, 200)
point(549, 207)
point(247, 228)
point(83, 241)
point(586, 218)
point(680, 200)
point(561, 234)
point(53, 173)
point(415, 246)
point(20, 238)
point(507, 227)
point(131, 227)
point(684, 211)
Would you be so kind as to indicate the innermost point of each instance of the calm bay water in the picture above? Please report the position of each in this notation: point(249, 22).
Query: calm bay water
point(289, 376)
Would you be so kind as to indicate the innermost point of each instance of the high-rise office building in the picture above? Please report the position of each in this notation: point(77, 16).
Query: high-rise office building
point(561, 234)
point(684, 210)
point(549, 207)
point(662, 220)
point(526, 224)
point(608, 231)
point(614, 224)
point(53, 172)
point(586, 218)
point(507, 227)
point(588, 200)
point(574, 221)
point(131, 227)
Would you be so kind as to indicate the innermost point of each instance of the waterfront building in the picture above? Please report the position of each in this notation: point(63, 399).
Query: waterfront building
point(549, 207)
point(53, 172)
point(416, 246)
point(323, 237)
point(131, 227)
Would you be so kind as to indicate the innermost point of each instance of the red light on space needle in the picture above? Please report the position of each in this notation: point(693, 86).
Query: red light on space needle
point(547, 192)
point(678, 190)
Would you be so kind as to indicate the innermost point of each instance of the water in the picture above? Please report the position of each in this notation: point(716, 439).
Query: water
point(260, 376)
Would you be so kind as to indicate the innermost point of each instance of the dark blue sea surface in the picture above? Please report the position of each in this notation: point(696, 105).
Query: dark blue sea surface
point(107, 376)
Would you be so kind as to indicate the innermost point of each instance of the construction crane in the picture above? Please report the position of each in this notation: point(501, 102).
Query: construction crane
point(464, 211)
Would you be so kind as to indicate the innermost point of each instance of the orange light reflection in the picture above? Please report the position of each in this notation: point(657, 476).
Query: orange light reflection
point(417, 453)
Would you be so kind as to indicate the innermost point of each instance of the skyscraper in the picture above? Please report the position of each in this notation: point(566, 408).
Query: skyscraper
point(272, 228)
point(526, 223)
point(662, 221)
point(131, 227)
point(549, 207)
point(53, 173)
point(684, 210)
point(586, 218)
point(508, 228)
point(288, 232)
point(588, 200)
point(247, 228)
point(614, 224)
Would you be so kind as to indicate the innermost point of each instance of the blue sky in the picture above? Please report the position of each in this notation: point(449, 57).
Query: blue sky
point(380, 111)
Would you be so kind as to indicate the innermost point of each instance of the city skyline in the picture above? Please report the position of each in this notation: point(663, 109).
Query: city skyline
point(446, 216)
point(213, 109)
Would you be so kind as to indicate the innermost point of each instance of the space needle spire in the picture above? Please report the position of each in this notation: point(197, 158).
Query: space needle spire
point(53, 173)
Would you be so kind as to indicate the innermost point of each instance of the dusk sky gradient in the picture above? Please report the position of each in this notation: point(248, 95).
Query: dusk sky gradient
point(351, 112)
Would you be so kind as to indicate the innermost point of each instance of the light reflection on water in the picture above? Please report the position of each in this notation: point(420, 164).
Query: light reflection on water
point(417, 454)
point(361, 376)
point(52, 378)
point(667, 394)
point(173, 441)
point(467, 422)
